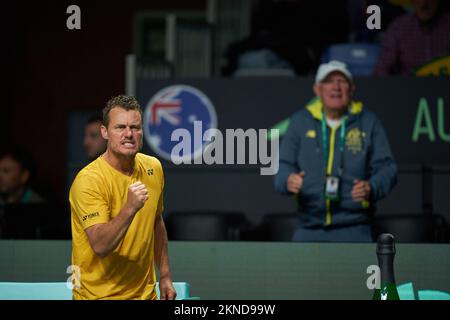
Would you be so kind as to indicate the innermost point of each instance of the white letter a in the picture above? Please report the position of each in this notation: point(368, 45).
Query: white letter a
point(374, 21)
point(373, 281)
point(74, 20)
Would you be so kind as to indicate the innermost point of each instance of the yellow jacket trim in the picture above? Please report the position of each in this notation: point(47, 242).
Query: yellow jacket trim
point(315, 107)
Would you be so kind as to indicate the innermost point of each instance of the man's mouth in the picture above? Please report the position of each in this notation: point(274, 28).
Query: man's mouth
point(128, 144)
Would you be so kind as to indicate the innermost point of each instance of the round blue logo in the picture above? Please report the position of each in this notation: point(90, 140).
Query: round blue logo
point(178, 107)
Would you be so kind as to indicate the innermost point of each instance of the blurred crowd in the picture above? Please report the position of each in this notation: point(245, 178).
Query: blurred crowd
point(296, 35)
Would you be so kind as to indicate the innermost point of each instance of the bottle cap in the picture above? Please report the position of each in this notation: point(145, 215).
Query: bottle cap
point(385, 244)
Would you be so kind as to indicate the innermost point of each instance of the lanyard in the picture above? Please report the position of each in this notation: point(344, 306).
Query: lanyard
point(341, 143)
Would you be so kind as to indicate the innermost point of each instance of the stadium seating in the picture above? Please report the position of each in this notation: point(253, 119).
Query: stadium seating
point(360, 58)
point(205, 225)
point(279, 226)
point(412, 227)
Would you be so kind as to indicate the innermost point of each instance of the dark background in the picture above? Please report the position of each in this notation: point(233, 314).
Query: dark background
point(51, 70)
point(52, 73)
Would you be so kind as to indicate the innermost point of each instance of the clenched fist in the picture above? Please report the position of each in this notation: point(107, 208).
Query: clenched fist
point(137, 195)
point(361, 190)
point(295, 182)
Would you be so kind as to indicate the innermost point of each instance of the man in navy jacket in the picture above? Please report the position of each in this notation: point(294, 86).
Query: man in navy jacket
point(335, 158)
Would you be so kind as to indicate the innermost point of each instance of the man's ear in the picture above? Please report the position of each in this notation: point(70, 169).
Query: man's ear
point(353, 89)
point(25, 176)
point(104, 132)
point(317, 89)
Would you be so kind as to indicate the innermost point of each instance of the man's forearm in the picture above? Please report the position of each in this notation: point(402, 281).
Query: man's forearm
point(104, 238)
point(161, 250)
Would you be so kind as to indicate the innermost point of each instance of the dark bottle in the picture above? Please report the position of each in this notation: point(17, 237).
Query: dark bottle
point(385, 254)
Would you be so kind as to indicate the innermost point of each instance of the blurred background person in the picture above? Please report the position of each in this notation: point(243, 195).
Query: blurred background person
point(336, 159)
point(93, 143)
point(16, 172)
point(414, 39)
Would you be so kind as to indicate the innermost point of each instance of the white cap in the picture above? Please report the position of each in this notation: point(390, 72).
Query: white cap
point(326, 68)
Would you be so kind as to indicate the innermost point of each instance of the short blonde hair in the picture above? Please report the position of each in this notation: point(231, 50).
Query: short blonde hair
point(121, 101)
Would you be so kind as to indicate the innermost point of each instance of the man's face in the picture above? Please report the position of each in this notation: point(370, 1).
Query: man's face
point(425, 9)
point(12, 175)
point(124, 132)
point(335, 91)
point(94, 144)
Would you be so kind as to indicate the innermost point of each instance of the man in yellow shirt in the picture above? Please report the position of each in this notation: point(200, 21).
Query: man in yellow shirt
point(116, 209)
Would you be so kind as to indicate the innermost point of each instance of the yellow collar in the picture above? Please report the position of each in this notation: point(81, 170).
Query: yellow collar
point(315, 106)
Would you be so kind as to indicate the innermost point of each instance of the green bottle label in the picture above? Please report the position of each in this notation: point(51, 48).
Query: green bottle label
point(387, 291)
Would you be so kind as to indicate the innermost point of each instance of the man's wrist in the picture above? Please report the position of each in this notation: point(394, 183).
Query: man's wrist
point(129, 211)
point(165, 276)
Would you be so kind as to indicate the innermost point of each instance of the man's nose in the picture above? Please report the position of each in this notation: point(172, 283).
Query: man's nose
point(336, 85)
point(128, 132)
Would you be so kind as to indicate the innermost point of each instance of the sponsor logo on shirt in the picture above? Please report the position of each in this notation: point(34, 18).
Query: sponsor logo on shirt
point(90, 216)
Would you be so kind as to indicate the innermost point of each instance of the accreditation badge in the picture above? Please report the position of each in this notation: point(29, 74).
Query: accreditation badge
point(332, 188)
